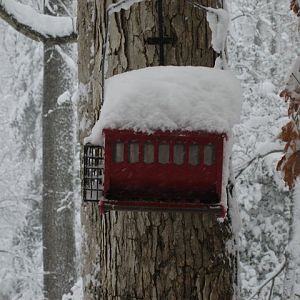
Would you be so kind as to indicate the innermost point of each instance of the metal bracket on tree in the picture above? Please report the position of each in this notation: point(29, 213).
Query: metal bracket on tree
point(161, 40)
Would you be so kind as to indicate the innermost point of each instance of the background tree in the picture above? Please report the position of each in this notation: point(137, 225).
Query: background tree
point(58, 162)
point(57, 135)
point(265, 203)
point(146, 255)
point(20, 184)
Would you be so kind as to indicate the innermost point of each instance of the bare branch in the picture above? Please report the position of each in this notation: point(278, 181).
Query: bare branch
point(238, 16)
point(249, 163)
point(28, 30)
point(197, 5)
point(295, 78)
point(271, 278)
point(4, 251)
point(122, 4)
point(271, 289)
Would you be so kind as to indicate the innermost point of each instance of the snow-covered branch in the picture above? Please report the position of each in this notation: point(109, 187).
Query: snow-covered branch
point(111, 9)
point(122, 4)
point(241, 169)
point(271, 277)
point(37, 26)
point(218, 20)
point(67, 59)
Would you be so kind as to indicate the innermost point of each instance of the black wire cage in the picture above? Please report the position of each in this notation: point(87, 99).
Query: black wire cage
point(93, 161)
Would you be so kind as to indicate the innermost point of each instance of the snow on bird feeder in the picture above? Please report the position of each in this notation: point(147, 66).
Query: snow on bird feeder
point(165, 133)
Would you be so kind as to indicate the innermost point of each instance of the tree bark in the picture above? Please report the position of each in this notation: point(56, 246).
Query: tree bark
point(148, 255)
point(58, 157)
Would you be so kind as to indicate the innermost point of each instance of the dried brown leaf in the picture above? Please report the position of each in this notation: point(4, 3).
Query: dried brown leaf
point(280, 163)
point(288, 132)
point(294, 7)
point(291, 169)
point(285, 94)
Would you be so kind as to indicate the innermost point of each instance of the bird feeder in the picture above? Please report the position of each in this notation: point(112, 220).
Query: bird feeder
point(162, 169)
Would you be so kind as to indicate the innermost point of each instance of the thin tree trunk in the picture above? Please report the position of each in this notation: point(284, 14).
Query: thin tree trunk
point(291, 253)
point(147, 255)
point(58, 157)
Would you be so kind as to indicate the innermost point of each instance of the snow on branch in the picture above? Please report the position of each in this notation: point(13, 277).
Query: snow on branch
point(37, 26)
point(111, 9)
point(292, 86)
point(69, 61)
point(218, 20)
point(123, 4)
point(245, 166)
point(271, 277)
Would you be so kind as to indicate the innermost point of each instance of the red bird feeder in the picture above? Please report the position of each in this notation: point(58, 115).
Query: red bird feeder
point(144, 163)
point(179, 171)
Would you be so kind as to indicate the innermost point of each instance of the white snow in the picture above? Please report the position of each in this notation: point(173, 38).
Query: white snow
point(270, 276)
point(64, 98)
point(123, 4)
point(266, 88)
point(76, 292)
point(69, 61)
point(293, 80)
point(218, 20)
point(170, 98)
point(44, 24)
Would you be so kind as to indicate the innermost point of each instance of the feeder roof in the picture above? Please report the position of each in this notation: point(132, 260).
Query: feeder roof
point(170, 98)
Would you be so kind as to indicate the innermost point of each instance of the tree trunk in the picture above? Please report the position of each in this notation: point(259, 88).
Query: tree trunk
point(148, 255)
point(58, 158)
point(291, 252)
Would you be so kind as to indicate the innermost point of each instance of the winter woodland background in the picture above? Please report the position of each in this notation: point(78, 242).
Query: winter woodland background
point(262, 44)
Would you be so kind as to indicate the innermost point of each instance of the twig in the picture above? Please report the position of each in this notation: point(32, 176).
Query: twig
point(273, 276)
point(296, 78)
point(259, 156)
point(197, 5)
point(238, 16)
point(65, 9)
point(271, 290)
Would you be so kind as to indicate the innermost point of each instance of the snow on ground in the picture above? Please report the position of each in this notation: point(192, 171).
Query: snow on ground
point(170, 98)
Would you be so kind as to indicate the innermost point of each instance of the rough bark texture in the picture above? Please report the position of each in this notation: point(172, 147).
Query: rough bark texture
point(58, 158)
point(132, 255)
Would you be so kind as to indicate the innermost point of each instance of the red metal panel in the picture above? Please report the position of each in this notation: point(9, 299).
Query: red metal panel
point(162, 182)
point(106, 205)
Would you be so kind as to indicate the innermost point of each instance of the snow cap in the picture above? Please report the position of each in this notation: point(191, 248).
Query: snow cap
point(170, 98)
